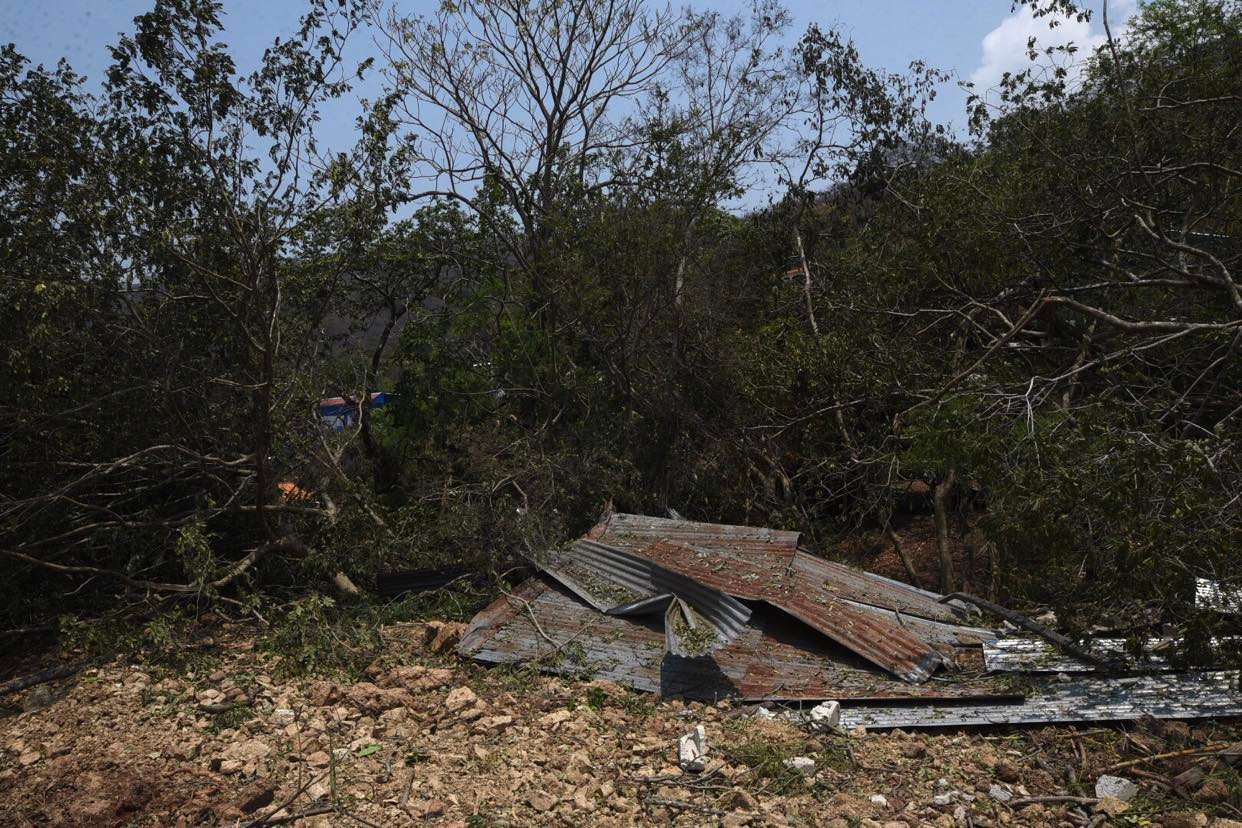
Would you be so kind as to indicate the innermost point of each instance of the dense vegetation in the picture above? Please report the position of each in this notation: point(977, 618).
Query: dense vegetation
point(1042, 323)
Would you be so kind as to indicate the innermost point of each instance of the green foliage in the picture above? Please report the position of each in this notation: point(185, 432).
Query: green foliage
point(1049, 313)
point(231, 719)
point(164, 640)
point(767, 756)
point(315, 636)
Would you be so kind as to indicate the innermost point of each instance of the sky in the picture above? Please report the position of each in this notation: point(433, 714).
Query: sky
point(975, 40)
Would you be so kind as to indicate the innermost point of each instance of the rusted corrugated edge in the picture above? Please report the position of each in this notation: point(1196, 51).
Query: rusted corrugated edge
point(876, 639)
point(775, 659)
point(1213, 595)
point(646, 581)
point(1198, 695)
point(636, 531)
point(866, 588)
point(764, 555)
point(933, 632)
point(800, 590)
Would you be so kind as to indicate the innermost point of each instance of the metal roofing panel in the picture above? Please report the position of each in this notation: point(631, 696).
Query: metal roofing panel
point(774, 659)
point(1034, 655)
point(618, 582)
point(636, 531)
point(1211, 594)
point(866, 588)
point(800, 588)
point(1206, 694)
point(745, 557)
point(933, 632)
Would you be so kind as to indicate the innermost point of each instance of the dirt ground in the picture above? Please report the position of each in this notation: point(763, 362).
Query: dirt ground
point(437, 741)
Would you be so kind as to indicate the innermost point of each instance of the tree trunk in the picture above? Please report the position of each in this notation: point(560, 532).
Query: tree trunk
point(806, 282)
point(895, 539)
point(940, 499)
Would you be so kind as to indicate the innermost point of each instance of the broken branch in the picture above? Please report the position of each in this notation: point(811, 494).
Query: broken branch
point(1031, 626)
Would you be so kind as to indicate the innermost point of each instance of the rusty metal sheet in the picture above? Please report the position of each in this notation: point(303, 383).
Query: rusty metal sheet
point(746, 557)
point(1198, 695)
point(633, 532)
point(933, 632)
point(774, 659)
point(797, 586)
point(866, 588)
point(698, 618)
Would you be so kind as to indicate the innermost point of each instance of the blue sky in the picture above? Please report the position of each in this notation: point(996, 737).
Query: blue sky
point(975, 39)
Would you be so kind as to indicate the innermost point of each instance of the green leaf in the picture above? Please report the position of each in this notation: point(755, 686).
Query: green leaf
point(368, 750)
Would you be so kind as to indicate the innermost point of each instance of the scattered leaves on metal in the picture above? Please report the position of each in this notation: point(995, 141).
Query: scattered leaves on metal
point(1034, 655)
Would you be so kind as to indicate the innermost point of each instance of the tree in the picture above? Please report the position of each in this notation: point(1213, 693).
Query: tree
point(177, 220)
point(522, 97)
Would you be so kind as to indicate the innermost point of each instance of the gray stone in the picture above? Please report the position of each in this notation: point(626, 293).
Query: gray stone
point(692, 750)
point(804, 765)
point(1116, 787)
point(825, 715)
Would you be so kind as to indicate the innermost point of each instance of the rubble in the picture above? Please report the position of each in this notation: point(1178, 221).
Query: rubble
point(1115, 787)
point(825, 716)
point(572, 752)
point(747, 614)
point(692, 750)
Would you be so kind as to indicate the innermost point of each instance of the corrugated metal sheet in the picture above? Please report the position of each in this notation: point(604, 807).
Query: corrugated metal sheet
point(797, 585)
point(636, 531)
point(698, 618)
point(866, 588)
point(774, 659)
point(933, 632)
point(1034, 655)
point(1212, 595)
point(1207, 694)
point(746, 557)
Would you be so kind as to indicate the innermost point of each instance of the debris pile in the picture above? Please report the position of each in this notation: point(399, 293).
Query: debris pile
point(710, 611)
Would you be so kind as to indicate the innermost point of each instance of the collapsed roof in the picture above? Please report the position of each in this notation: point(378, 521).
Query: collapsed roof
point(710, 611)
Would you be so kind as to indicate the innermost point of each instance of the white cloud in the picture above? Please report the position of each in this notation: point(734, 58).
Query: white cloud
point(1005, 47)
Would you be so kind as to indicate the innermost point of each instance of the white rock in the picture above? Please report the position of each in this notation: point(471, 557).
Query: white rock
point(804, 765)
point(1000, 793)
point(283, 716)
point(692, 750)
point(763, 713)
point(1116, 787)
point(879, 799)
point(943, 799)
point(825, 715)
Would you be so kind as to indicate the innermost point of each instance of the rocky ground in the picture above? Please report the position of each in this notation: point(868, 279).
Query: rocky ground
point(433, 740)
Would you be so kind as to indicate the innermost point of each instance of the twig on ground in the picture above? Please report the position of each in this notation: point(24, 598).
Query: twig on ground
point(1174, 754)
point(681, 805)
point(1043, 800)
point(281, 820)
point(404, 803)
point(266, 819)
